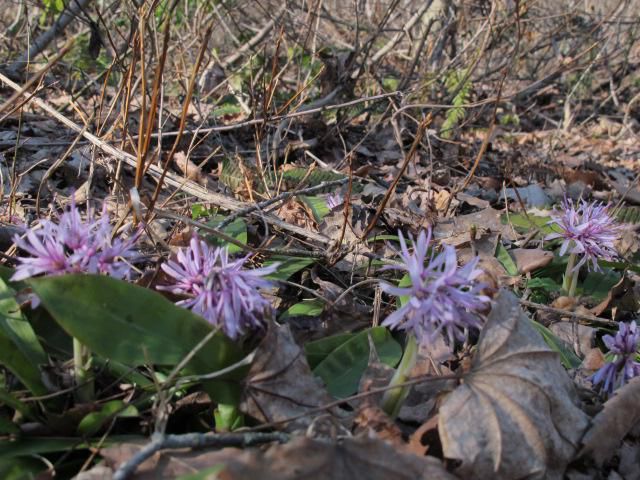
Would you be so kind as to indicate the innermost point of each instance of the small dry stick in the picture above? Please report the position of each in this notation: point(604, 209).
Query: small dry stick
point(568, 313)
point(412, 151)
point(283, 196)
point(196, 440)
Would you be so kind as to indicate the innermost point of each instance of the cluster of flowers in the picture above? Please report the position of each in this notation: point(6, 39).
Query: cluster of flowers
point(443, 299)
point(588, 230)
point(623, 366)
point(71, 245)
point(215, 287)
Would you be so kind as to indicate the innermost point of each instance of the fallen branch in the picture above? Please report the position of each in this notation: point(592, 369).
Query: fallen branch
point(196, 440)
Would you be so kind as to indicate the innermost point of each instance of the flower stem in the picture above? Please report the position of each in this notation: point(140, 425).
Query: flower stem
point(81, 365)
point(393, 398)
point(568, 273)
point(574, 283)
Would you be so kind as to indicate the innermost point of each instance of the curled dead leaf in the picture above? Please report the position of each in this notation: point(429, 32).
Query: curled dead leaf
point(516, 414)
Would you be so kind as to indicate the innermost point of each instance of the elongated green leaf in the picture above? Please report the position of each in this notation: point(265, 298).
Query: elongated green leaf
point(318, 350)
point(568, 358)
point(20, 365)
point(11, 449)
point(7, 426)
point(288, 266)
point(317, 205)
point(311, 308)
point(15, 326)
point(545, 283)
point(503, 256)
point(93, 422)
point(342, 368)
point(131, 324)
point(9, 400)
point(236, 229)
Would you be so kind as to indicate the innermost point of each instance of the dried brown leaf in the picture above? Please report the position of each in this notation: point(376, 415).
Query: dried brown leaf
point(515, 415)
point(609, 427)
point(280, 384)
point(530, 259)
point(301, 458)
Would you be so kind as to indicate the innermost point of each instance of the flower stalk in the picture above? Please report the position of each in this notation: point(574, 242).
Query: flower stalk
point(85, 388)
point(395, 397)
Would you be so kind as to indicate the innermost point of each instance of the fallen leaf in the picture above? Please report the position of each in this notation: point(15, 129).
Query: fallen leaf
point(609, 427)
point(516, 414)
point(621, 297)
point(353, 458)
point(530, 259)
point(579, 337)
point(280, 384)
point(457, 231)
point(532, 195)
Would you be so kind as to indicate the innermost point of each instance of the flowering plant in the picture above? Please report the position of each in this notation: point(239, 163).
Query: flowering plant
point(71, 245)
point(443, 299)
point(219, 289)
point(623, 366)
point(588, 232)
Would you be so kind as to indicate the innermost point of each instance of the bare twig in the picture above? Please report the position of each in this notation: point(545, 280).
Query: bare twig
point(568, 313)
point(196, 440)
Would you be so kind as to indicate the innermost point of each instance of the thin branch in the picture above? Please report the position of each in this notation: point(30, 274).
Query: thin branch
point(196, 440)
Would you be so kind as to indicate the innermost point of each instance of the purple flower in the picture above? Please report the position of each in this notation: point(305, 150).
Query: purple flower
point(71, 245)
point(623, 366)
point(219, 289)
point(443, 299)
point(587, 230)
point(334, 200)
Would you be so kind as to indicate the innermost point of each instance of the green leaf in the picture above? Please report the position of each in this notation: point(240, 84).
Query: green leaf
point(288, 266)
point(16, 327)
point(228, 417)
point(342, 368)
point(236, 229)
point(568, 358)
point(9, 400)
point(503, 256)
point(526, 223)
point(22, 469)
point(12, 449)
point(20, 365)
point(598, 284)
point(544, 283)
point(131, 324)
point(93, 422)
point(199, 211)
point(311, 308)
point(7, 427)
point(318, 350)
point(317, 205)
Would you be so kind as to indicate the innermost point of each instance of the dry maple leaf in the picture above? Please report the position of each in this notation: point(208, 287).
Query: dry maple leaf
point(611, 425)
point(516, 414)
